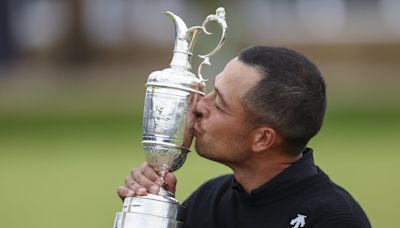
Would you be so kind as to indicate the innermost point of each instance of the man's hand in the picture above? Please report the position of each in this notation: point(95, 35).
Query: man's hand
point(145, 180)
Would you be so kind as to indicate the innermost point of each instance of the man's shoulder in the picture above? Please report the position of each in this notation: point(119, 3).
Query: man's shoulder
point(330, 193)
point(332, 204)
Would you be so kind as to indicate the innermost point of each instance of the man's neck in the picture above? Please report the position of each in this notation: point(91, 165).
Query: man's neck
point(262, 169)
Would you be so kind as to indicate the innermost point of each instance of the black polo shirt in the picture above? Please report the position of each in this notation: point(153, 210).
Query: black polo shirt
point(300, 196)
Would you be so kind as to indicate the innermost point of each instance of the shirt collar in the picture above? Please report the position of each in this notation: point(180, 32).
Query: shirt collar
point(299, 170)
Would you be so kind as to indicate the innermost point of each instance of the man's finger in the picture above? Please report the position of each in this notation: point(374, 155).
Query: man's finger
point(135, 187)
point(142, 180)
point(124, 192)
point(170, 182)
point(150, 174)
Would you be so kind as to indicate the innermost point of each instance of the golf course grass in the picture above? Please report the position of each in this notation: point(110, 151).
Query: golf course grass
point(63, 170)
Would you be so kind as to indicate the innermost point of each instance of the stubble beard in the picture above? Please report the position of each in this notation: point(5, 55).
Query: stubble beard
point(202, 151)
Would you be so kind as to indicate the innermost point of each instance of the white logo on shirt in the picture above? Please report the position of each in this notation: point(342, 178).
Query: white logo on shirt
point(299, 221)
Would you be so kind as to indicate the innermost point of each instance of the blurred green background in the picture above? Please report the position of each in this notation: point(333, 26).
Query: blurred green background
point(72, 77)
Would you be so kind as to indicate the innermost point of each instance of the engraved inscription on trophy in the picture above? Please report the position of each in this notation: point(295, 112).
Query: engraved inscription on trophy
point(159, 115)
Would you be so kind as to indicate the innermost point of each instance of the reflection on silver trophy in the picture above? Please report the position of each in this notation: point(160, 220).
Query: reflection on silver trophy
point(171, 97)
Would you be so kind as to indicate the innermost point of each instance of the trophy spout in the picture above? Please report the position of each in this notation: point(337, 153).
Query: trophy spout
point(180, 26)
point(184, 42)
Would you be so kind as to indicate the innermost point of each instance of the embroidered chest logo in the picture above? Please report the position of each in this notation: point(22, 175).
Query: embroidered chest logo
point(299, 221)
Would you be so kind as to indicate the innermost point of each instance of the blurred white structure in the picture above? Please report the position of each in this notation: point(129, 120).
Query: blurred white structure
point(38, 24)
point(41, 23)
point(390, 11)
point(322, 20)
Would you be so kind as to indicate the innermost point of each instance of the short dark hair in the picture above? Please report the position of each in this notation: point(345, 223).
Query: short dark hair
point(290, 97)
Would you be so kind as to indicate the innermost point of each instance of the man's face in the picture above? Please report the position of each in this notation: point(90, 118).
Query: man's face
point(222, 131)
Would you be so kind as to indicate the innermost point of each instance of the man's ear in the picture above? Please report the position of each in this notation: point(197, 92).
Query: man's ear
point(264, 138)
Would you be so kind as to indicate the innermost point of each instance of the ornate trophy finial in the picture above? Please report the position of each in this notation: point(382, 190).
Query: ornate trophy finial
point(220, 18)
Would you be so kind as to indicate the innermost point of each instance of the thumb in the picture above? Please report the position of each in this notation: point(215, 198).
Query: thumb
point(170, 182)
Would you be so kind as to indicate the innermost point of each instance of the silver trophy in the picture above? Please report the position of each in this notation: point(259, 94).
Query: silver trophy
point(171, 97)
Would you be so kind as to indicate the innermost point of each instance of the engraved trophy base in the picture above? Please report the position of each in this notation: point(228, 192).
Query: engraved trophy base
point(153, 211)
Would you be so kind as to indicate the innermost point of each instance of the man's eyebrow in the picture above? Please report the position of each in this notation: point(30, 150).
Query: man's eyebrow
point(221, 96)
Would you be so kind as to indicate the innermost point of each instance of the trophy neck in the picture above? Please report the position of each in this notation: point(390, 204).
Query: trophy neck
point(181, 59)
point(183, 49)
point(184, 42)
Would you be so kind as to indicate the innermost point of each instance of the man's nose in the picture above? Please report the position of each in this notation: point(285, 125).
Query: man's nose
point(201, 107)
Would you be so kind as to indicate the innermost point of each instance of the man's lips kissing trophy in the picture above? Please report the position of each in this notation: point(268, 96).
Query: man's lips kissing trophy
point(169, 115)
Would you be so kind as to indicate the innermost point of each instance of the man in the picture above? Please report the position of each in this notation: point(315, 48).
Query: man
point(267, 104)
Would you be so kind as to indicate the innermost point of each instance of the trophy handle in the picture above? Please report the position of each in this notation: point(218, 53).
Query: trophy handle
point(219, 16)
